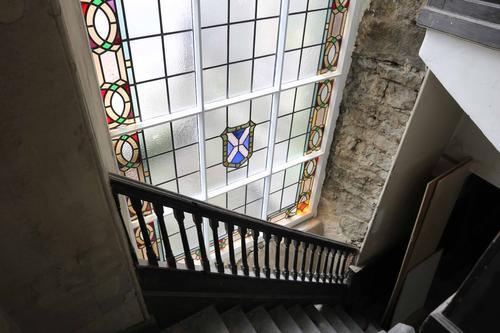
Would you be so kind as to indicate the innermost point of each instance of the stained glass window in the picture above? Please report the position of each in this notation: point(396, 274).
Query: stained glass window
point(228, 101)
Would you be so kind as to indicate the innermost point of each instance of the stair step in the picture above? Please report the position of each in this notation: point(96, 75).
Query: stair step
point(262, 321)
point(402, 328)
point(372, 329)
point(302, 319)
point(359, 319)
point(334, 319)
point(347, 320)
point(236, 321)
point(284, 321)
point(321, 323)
point(207, 320)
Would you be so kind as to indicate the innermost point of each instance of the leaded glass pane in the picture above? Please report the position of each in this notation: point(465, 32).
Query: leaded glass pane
point(238, 148)
point(314, 37)
point(144, 58)
point(238, 46)
point(301, 121)
point(291, 191)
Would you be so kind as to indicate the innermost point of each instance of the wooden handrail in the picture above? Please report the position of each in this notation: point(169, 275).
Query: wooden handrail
point(245, 225)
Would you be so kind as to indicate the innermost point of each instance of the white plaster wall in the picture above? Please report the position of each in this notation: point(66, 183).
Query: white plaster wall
point(63, 260)
point(471, 74)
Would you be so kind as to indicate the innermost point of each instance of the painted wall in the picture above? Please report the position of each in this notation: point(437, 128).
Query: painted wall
point(471, 74)
point(63, 256)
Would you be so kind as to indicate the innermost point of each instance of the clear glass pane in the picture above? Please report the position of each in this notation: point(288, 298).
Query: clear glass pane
point(309, 62)
point(242, 10)
point(187, 160)
point(162, 168)
point(291, 66)
point(240, 77)
point(213, 12)
point(315, 27)
point(318, 4)
point(158, 139)
point(179, 53)
point(153, 100)
point(142, 17)
point(182, 89)
point(268, 8)
point(297, 6)
point(241, 41)
point(214, 46)
point(215, 83)
point(263, 75)
point(190, 185)
point(176, 15)
point(295, 31)
point(215, 122)
point(147, 57)
point(266, 39)
point(185, 131)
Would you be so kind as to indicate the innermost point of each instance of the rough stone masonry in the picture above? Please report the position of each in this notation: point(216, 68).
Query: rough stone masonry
point(381, 89)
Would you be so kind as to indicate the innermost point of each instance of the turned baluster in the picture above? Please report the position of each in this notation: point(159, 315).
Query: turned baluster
point(318, 264)
point(137, 206)
point(232, 260)
point(304, 258)
point(338, 266)
point(256, 268)
point(296, 245)
point(214, 225)
point(310, 274)
point(332, 265)
point(266, 269)
point(277, 240)
point(244, 263)
point(188, 259)
point(286, 273)
point(169, 256)
point(198, 220)
point(340, 277)
point(325, 268)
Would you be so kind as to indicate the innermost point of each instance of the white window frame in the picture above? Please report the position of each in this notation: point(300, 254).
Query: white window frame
point(339, 76)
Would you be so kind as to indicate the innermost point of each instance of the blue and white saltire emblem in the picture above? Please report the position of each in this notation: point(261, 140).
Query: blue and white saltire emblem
point(238, 144)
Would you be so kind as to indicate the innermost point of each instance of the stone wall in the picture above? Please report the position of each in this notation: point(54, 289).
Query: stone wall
point(381, 89)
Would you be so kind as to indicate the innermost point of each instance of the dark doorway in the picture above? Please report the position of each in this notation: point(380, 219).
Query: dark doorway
point(473, 224)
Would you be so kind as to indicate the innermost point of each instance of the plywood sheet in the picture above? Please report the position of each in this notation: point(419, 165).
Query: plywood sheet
point(437, 204)
point(416, 287)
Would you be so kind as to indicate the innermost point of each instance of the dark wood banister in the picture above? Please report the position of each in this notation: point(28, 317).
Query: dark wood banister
point(181, 204)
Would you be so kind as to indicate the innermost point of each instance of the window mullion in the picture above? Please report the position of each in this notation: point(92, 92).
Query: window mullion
point(200, 104)
point(280, 55)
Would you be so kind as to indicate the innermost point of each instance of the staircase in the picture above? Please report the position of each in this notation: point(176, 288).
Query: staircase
point(294, 319)
point(265, 280)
